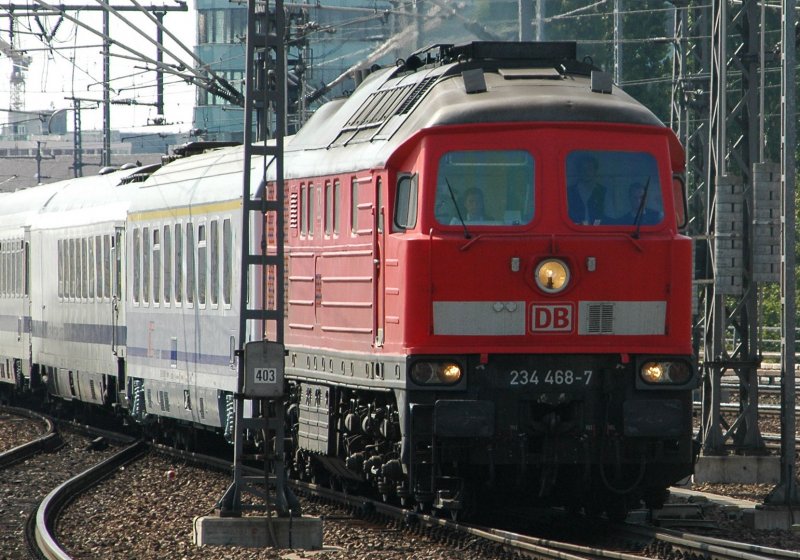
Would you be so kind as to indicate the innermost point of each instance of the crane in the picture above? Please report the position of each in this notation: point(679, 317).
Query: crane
point(19, 65)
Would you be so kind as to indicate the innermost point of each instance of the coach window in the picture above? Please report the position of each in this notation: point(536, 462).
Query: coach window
point(190, 268)
point(80, 259)
point(485, 188)
point(98, 265)
point(73, 272)
point(20, 268)
point(156, 265)
point(3, 268)
point(202, 264)
point(117, 257)
point(214, 241)
point(137, 264)
point(227, 260)
point(107, 266)
point(167, 264)
point(90, 266)
point(60, 265)
point(178, 264)
point(7, 269)
point(145, 265)
point(26, 278)
point(405, 206)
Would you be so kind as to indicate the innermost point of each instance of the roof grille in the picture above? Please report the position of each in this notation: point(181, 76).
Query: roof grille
point(415, 95)
point(385, 103)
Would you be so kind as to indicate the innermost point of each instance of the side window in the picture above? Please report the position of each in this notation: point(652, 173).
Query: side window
point(214, 241)
point(107, 265)
point(190, 268)
point(202, 264)
point(379, 203)
point(353, 206)
point(80, 259)
point(227, 261)
point(303, 210)
point(98, 265)
point(60, 268)
point(118, 258)
point(312, 199)
point(145, 265)
point(405, 206)
point(613, 188)
point(91, 265)
point(156, 265)
point(73, 269)
point(167, 264)
point(137, 266)
point(337, 198)
point(178, 263)
point(328, 208)
point(27, 268)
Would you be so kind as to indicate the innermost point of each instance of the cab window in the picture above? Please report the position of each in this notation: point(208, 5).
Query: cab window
point(613, 188)
point(485, 187)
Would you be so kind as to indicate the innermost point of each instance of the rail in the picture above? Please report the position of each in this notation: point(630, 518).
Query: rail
point(49, 441)
point(41, 523)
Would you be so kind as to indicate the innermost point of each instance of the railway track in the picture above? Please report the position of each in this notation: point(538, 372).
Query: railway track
point(508, 544)
point(47, 442)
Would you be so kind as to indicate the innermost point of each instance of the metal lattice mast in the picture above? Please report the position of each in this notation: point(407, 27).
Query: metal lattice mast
point(740, 188)
point(786, 493)
point(261, 361)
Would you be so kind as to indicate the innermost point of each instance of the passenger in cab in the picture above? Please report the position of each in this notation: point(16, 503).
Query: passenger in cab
point(639, 212)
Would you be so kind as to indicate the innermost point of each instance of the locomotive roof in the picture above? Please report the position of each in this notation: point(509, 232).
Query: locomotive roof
point(473, 83)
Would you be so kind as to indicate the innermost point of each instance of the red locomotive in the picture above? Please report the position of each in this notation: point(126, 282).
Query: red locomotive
point(488, 291)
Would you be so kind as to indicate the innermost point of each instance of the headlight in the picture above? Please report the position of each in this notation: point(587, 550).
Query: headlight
point(663, 373)
point(552, 275)
point(435, 373)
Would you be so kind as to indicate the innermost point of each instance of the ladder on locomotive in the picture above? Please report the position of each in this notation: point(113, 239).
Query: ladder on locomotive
point(264, 107)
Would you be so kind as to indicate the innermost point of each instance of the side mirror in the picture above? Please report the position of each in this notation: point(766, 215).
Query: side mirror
point(680, 201)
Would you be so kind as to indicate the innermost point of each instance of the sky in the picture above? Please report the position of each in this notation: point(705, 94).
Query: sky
point(52, 77)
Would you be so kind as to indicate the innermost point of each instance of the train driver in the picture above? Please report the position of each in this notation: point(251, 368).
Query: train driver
point(586, 196)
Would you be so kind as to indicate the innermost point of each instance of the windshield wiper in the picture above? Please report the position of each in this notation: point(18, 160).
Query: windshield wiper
point(458, 210)
point(637, 221)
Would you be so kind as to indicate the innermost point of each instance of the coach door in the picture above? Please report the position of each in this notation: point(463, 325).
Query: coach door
point(117, 303)
point(24, 321)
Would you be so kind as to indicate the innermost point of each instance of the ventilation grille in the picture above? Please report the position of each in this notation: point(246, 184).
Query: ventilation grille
point(600, 318)
point(386, 103)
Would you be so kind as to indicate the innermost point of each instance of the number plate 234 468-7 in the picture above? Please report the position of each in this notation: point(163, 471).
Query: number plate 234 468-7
point(556, 378)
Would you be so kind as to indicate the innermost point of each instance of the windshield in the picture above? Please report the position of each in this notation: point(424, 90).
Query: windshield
point(483, 187)
point(613, 188)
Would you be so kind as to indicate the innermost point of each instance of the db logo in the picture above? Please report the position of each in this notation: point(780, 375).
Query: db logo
point(551, 318)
